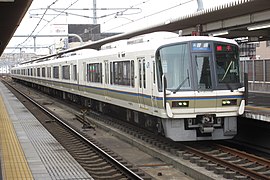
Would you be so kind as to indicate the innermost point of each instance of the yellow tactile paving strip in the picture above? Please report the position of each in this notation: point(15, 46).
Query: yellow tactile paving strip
point(14, 164)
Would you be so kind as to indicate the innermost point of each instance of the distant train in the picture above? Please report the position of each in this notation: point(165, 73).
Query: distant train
point(186, 88)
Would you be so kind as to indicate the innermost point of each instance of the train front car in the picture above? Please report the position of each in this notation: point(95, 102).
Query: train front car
point(202, 91)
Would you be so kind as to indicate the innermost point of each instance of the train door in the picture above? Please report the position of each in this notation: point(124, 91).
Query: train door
point(205, 97)
point(84, 74)
point(142, 81)
point(153, 85)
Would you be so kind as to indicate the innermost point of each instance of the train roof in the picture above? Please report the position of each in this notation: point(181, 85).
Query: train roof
point(151, 41)
point(157, 39)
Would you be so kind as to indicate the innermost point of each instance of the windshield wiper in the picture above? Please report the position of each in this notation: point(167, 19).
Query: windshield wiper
point(227, 70)
point(229, 86)
point(182, 83)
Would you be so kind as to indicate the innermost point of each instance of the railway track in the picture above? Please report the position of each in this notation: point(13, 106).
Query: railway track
point(228, 162)
point(98, 162)
point(232, 163)
point(225, 162)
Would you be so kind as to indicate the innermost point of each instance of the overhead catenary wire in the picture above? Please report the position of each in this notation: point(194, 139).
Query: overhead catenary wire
point(116, 15)
point(155, 13)
point(31, 34)
point(42, 17)
point(57, 15)
point(63, 10)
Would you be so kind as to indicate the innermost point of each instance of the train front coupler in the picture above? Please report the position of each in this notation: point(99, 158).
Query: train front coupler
point(206, 123)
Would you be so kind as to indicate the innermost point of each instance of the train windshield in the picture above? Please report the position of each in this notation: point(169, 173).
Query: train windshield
point(174, 62)
point(227, 63)
point(198, 65)
point(202, 66)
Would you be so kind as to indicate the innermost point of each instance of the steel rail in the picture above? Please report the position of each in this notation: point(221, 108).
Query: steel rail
point(243, 154)
point(242, 170)
point(124, 169)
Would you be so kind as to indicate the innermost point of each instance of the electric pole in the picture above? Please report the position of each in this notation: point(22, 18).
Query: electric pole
point(200, 5)
point(94, 12)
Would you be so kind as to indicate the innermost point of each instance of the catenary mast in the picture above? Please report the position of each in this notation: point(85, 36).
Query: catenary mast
point(94, 12)
point(200, 5)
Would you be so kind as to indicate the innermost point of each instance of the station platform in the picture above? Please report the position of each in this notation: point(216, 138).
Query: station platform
point(258, 107)
point(28, 150)
point(257, 113)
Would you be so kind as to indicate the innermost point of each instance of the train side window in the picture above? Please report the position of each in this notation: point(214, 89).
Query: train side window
point(66, 72)
point(38, 72)
point(144, 74)
point(74, 72)
point(140, 70)
point(87, 73)
point(35, 72)
point(56, 72)
point(111, 72)
point(123, 73)
point(115, 73)
point(94, 72)
point(49, 72)
point(84, 71)
point(43, 72)
point(132, 73)
point(106, 65)
point(154, 72)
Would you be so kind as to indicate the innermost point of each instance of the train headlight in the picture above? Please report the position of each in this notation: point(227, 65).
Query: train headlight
point(228, 102)
point(180, 104)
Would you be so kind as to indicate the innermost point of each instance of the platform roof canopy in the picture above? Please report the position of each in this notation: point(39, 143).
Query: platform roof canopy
point(234, 17)
point(11, 14)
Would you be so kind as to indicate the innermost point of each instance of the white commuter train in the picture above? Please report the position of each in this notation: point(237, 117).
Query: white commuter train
point(187, 88)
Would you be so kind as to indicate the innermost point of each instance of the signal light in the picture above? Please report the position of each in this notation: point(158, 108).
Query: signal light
point(219, 48)
point(229, 48)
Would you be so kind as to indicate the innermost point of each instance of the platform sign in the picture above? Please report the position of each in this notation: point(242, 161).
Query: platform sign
point(59, 29)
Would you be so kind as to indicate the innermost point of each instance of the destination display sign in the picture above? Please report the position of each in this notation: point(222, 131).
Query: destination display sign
point(201, 46)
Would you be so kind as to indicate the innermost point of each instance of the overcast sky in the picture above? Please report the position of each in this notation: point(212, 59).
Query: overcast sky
point(119, 18)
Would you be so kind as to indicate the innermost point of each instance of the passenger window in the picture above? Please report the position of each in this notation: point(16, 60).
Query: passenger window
point(74, 72)
point(56, 72)
point(49, 72)
point(43, 72)
point(123, 73)
point(94, 72)
point(66, 72)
